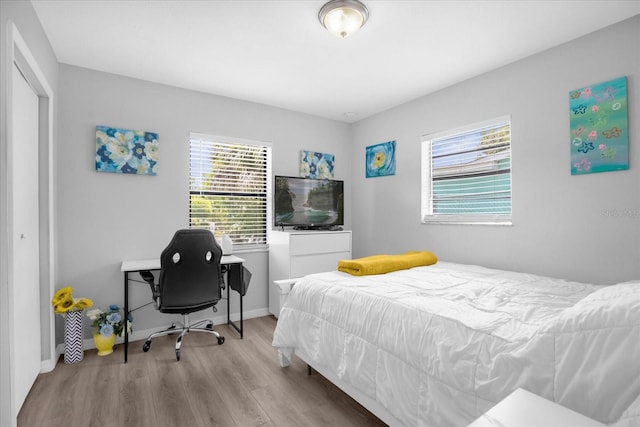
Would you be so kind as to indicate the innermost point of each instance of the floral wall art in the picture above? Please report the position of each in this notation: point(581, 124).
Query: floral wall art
point(599, 131)
point(126, 151)
point(316, 165)
point(381, 159)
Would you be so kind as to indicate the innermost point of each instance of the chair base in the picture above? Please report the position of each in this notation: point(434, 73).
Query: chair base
point(185, 328)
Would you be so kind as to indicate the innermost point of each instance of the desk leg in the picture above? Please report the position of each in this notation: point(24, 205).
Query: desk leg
point(126, 314)
point(229, 322)
point(234, 272)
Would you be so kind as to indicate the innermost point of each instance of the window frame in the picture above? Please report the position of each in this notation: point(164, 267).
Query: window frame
point(427, 216)
point(266, 195)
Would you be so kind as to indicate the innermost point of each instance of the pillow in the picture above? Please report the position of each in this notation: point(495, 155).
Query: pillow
point(610, 306)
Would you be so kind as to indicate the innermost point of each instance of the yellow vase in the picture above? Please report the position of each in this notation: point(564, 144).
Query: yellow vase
point(104, 344)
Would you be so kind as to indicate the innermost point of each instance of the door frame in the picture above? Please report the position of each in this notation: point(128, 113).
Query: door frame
point(17, 51)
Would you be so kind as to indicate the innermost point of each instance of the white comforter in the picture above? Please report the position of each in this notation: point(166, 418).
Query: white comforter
point(440, 345)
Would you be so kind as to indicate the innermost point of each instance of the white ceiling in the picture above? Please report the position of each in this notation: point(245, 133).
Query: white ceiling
point(277, 53)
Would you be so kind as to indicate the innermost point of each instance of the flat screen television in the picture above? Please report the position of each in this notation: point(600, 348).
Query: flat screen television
point(306, 203)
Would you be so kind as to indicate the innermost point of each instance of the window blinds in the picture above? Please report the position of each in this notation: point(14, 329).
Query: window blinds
point(230, 188)
point(466, 174)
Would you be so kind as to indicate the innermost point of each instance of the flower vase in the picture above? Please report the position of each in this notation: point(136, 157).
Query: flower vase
point(104, 344)
point(73, 351)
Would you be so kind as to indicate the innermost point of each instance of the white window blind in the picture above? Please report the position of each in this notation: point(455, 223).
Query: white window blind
point(230, 186)
point(466, 174)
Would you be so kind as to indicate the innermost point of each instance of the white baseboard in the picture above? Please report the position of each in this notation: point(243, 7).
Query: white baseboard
point(48, 365)
point(88, 344)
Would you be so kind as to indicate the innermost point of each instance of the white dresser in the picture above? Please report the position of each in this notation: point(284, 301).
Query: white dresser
point(294, 254)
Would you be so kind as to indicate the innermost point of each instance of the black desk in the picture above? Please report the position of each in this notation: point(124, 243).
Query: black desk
point(231, 265)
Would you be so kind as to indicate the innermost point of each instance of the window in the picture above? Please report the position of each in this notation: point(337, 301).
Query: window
point(230, 186)
point(466, 174)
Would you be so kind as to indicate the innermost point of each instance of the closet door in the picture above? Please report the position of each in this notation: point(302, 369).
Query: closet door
point(26, 344)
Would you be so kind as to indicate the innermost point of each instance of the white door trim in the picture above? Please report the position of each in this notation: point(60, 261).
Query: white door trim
point(17, 51)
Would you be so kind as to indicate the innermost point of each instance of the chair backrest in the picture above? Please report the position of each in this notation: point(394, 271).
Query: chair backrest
point(190, 274)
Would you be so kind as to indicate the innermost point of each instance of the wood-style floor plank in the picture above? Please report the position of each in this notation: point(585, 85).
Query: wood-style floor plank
point(238, 384)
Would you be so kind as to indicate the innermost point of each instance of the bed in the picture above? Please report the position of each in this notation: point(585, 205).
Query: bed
point(439, 345)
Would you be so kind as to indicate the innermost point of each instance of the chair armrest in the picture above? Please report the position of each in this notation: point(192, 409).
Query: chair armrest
point(147, 276)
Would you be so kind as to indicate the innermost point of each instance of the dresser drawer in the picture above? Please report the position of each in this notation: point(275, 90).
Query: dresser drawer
point(303, 244)
point(309, 264)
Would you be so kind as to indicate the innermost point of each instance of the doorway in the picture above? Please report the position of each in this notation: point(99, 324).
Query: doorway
point(26, 236)
point(26, 225)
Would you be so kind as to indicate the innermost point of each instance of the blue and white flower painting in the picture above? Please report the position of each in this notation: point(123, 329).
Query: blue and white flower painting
point(126, 151)
point(316, 165)
point(381, 159)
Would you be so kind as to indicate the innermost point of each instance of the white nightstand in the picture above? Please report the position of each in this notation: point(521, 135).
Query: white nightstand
point(525, 409)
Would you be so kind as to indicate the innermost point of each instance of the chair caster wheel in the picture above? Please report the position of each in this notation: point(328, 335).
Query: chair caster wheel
point(178, 355)
point(146, 346)
point(220, 340)
point(209, 326)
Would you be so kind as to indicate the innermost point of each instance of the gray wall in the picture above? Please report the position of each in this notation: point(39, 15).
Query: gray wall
point(584, 228)
point(104, 218)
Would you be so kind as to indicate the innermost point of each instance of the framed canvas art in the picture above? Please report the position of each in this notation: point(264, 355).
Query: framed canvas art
point(380, 159)
point(599, 131)
point(316, 165)
point(126, 151)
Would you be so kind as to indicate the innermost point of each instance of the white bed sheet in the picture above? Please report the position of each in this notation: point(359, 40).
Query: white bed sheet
point(440, 345)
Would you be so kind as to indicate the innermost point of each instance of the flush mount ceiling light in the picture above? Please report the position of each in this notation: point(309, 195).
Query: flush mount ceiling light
point(343, 17)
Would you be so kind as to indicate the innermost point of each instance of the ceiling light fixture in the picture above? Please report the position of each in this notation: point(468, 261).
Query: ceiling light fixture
point(343, 17)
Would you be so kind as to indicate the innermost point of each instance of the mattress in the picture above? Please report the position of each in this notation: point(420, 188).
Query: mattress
point(440, 345)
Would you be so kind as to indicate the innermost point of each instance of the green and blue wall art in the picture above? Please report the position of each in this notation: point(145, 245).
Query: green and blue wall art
point(599, 130)
point(316, 165)
point(126, 151)
point(381, 159)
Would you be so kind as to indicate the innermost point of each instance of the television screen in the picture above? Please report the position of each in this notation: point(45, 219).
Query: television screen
point(308, 203)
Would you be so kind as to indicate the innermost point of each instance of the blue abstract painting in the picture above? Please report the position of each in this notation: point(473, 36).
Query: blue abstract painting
point(381, 159)
point(316, 165)
point(599, 133)
point(126, 151)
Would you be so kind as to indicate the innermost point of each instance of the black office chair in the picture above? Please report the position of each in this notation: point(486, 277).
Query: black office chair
point(190, 280)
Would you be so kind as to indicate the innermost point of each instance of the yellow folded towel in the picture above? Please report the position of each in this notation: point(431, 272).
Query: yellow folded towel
point(379, 264)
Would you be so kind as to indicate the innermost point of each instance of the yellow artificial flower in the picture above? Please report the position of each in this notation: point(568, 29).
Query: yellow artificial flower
point(82, 303)
point(62, 294)
point(63, 301)
point(63, 306)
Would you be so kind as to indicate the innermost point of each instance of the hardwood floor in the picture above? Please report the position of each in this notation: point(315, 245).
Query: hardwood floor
point(238, 383)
